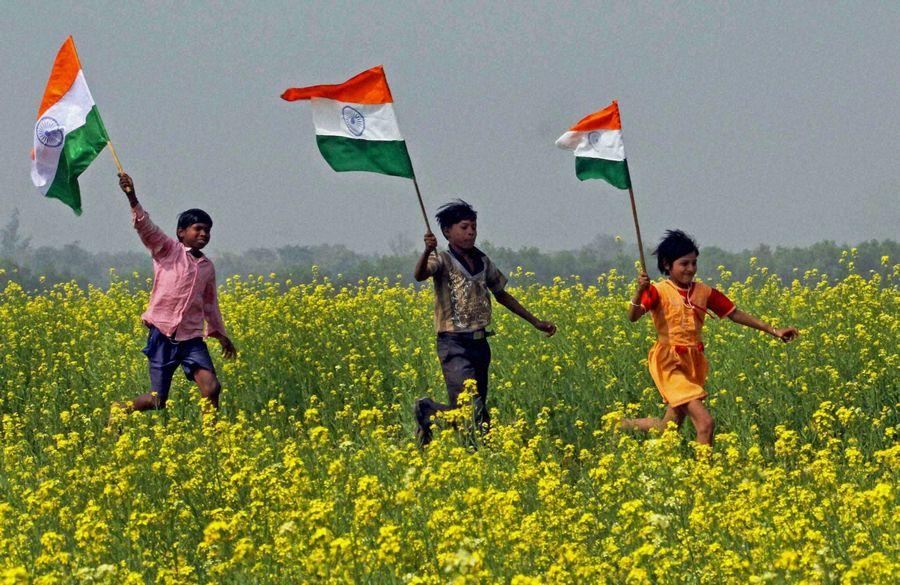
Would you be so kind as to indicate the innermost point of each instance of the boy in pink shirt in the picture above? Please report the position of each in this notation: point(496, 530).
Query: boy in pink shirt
point(183, 296)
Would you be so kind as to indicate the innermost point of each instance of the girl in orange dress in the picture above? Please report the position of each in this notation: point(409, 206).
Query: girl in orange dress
point(678, 306)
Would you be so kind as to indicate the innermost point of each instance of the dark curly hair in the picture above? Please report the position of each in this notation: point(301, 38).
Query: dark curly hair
point(454, 212)
point(673, 246)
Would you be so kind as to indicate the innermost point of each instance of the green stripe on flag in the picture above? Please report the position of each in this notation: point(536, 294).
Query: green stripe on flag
point(80, 148)
point(614, 172)
point(388, 157)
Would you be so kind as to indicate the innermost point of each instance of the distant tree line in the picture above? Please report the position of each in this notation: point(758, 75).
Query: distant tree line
point(42, 266)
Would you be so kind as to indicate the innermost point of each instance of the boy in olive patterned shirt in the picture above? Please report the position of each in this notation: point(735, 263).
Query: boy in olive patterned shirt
point(464, 278)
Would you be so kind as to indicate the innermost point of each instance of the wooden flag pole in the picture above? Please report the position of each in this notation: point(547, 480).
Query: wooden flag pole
point(421, 204)
point(637, 229)
point(637, 226)
point(112, 151)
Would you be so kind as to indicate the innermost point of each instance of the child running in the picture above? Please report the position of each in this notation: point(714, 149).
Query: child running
point(678, 306)
point(463, 277)
point(183, 296)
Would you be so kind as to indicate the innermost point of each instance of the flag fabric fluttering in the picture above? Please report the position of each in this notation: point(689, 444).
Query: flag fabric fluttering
point(356, 128)
point(69, 133)
point(599, 149)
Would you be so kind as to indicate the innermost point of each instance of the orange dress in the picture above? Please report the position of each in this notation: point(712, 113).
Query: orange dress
point(676, 360)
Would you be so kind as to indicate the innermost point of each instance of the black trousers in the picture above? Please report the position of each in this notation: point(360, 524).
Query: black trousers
point(463, 358)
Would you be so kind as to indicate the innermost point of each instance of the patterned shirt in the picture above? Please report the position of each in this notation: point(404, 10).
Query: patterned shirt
point(184, 287)
point(462, 300)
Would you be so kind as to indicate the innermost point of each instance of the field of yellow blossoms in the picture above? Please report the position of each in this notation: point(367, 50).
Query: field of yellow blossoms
point(309, 473)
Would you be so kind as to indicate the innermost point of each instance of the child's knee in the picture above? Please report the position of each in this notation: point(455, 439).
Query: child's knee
point(211, 389)
point(208, 383)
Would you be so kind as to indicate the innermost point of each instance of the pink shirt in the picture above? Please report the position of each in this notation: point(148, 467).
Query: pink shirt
point(184, 287)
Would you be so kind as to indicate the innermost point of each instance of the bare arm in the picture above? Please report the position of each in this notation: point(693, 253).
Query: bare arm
point(421, 272)
point(635, 310)
point(510, 302)
point(748, 320)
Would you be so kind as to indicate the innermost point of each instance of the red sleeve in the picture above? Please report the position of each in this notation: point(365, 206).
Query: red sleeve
point(719, 304)
point(650, 298)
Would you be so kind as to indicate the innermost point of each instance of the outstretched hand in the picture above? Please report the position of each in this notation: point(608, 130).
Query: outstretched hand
point(547, 327)
point(786, 333)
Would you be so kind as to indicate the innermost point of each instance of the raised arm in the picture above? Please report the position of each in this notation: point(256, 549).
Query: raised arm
point(153, 238)
point(748, 320)
point(127, 186)
point(422, 271)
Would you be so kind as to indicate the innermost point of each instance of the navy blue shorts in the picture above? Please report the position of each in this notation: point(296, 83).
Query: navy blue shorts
point(166, 355)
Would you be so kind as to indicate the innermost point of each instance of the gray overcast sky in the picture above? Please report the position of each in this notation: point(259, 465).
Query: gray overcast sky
point(756, 122)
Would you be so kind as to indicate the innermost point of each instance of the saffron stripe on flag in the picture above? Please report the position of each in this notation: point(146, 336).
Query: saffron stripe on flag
point(66, 68)
point(369, 87)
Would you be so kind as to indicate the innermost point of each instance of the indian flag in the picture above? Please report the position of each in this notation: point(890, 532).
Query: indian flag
point(599, 149)
point(69, 133)
point(356, 128)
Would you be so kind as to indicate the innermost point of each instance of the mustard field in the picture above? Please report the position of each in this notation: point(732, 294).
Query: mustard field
point(309, 473)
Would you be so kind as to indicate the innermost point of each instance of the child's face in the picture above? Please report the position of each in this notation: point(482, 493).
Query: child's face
point(462, 234)
point(682, 271)
point(195, 236)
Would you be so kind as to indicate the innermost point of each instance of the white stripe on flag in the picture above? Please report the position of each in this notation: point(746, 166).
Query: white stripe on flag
point(605, 144)
point(359, 121)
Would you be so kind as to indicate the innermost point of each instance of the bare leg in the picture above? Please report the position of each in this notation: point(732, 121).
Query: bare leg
point(675, 415)
point(703, 421)
point(209, 386)
point(148, 401)
point(160, 377)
